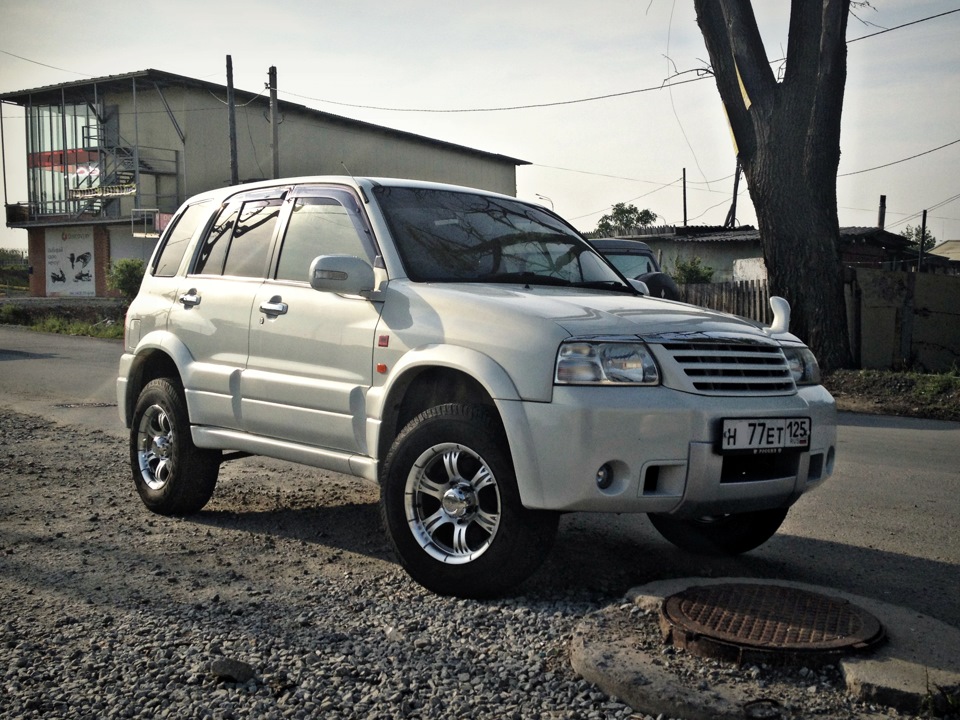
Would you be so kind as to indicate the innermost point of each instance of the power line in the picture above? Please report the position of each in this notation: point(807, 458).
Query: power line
point(935, 206)
point(662, 86)
point(898, 27)
point(897, 162)
point(702, 74)
point(52, 67)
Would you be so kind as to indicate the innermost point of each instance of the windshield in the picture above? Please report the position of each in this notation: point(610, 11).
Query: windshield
point(451, 236)
point(632, 265)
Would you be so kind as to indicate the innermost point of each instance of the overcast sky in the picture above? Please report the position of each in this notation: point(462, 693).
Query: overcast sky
point(349, 58)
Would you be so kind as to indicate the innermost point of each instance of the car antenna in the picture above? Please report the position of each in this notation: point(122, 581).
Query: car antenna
point(362, 193)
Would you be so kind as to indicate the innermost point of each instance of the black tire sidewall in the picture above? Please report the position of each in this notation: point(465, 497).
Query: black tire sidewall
point(730, 535)
point(523, 537)
point(193, 471)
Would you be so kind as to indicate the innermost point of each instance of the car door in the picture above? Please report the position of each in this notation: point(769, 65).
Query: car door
point(211, 311)
point(310, 362)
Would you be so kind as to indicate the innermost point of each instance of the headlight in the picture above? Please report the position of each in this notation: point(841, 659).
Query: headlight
point(605, 363)
point(803, 365)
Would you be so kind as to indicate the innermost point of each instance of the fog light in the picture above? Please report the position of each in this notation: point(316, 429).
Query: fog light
point(604, 476)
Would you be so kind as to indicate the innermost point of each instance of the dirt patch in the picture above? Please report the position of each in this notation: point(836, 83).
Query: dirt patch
point(907, 394)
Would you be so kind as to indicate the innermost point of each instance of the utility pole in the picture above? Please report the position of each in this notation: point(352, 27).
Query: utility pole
point(923, 236)
point(232, 124)
point(274, 120)
point(731, 220)
point(684, 197)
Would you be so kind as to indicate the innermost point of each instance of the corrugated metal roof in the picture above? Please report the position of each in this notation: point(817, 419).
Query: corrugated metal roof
point(948, 249)
point(712, 234)
point(53, 93)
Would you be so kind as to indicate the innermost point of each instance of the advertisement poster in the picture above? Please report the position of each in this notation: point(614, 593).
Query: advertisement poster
point(70, 269)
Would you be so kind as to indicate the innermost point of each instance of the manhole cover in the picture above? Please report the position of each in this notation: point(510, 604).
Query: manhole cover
point(767, 623)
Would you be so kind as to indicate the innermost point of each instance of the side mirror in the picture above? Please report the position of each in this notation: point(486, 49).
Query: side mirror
point(639, 285)
point(344, 274)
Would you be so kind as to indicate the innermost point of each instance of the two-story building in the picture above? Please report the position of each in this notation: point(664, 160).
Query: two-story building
point(110, 159)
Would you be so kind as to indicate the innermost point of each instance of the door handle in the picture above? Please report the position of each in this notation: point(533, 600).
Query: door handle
point(273, 307)
point(190, 298)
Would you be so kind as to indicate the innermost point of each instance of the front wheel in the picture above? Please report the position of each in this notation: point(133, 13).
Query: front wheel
point(450, 504)
point(720, 534)
point(172, 475)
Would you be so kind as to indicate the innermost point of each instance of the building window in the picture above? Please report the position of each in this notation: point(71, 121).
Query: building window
point(60, 157)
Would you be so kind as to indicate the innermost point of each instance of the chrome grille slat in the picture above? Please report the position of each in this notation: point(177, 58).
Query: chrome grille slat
point(725, 366)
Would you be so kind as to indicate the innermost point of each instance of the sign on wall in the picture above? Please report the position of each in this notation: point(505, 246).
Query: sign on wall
point(70, 268)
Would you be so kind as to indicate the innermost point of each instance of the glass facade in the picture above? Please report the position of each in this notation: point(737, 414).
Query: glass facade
point(62, 156)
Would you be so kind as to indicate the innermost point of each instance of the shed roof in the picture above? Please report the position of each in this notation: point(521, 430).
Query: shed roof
point(78, 90)
point(748, 233)
point(949, 249)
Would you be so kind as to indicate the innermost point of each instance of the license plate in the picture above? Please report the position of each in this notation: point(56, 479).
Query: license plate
point(764, 435)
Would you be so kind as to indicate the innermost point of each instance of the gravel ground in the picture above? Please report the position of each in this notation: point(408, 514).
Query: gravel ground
point(279, 600)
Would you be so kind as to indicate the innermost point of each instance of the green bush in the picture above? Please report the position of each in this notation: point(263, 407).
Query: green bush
point(691, 272)
point(11, 314)
point(14, 277)
point(125, 276)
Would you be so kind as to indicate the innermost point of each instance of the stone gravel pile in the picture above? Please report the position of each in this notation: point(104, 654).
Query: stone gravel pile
point(279, 601)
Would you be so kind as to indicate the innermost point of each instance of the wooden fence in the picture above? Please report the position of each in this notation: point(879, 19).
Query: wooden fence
point(896, 319)
point(747, 298)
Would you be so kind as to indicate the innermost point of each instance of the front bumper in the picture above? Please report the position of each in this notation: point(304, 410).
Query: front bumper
point(660, 445)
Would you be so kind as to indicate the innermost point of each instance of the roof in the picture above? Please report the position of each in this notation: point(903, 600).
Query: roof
point(948, 249)
point(78, 90)
point(748, 233)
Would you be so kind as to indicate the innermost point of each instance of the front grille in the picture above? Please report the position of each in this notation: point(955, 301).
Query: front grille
point(732, 367)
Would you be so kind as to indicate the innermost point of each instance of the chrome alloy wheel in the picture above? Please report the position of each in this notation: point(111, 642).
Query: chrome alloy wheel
point(156, 442)
point(452, 503)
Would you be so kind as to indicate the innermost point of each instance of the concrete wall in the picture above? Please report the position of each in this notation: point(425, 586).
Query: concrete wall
point(908, 320)
point(719, 256)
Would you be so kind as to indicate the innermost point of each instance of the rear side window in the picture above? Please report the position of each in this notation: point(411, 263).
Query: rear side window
point(250, 246)
point(213, 249)
point(178, 239)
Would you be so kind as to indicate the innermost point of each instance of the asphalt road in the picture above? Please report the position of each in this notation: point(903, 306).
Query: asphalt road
point(884, 526)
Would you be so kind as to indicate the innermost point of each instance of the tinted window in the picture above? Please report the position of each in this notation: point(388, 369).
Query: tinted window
point(178, 238)
point(213, 250)
point(633, 265)
point(452, 236)
point(317, 226)
point(250, 244)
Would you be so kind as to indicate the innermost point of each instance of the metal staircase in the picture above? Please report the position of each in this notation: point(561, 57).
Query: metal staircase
point(120, 171)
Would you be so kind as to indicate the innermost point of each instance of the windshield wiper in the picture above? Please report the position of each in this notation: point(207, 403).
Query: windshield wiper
point(527, 278)
point(604, 285)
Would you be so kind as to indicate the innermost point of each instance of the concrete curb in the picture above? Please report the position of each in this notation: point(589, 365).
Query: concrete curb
point(920, 656)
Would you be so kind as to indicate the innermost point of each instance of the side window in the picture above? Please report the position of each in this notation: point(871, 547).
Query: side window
point(250, 244)
point(317, 226)
point(178, 239)
point(213, 250)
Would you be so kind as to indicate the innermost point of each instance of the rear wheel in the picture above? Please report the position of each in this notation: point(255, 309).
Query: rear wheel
point(450, 504)
point(172, 475)
point(720, 534)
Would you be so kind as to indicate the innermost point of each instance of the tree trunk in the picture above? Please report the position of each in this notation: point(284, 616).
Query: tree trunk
point(787, 134)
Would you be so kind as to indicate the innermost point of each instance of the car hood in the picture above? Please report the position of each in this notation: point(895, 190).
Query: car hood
point(585, 313)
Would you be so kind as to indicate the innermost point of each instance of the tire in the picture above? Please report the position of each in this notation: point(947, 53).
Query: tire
point(172, 475)
point(450, 505)
point(720, 534)
point(661, 285)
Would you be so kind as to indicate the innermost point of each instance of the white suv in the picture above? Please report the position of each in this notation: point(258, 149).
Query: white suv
point(475, 356)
